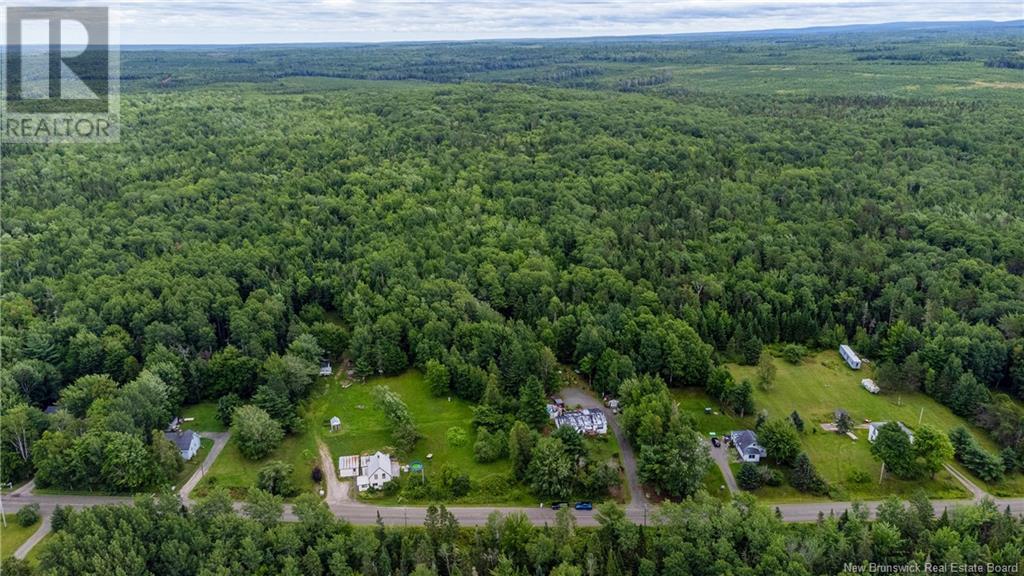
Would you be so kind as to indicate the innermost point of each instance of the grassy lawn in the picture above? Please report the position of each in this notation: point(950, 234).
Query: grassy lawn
point(821, 384)
point(837, 457)
point(693, 401)
point(365, 429)
point(237, 473)
point(205, 415)
point(14, 535)
point(714, 483)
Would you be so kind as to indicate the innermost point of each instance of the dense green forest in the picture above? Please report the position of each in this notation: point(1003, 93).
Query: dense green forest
point(516, 208)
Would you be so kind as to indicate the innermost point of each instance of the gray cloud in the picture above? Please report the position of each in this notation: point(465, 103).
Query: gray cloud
point(253, 21)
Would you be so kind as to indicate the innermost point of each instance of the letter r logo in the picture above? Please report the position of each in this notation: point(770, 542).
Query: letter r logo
point(51, 66)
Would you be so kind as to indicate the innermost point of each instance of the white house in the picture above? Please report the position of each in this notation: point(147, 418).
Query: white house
point(870, 385)
point(325, 368)
point(850, 356)
point(186, 441)
point(746, 445)
point(348, 466)
point(874, 427)
point(377, 470)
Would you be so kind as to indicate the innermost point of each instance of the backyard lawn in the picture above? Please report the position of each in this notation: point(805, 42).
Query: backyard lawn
point(693, 401)
point(821, 384)
point(205, 415)
point(365, 429)
point(14, 535)
point(237, 473)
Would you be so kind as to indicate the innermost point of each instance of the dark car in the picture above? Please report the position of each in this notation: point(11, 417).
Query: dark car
point(716, 442)
point(584, 506)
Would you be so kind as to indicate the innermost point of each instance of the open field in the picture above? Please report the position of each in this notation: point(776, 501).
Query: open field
point(693, 401)
point(364, 429)
point(837, 457)
point(237, 473)
point(821, 384)
point(714, 483)
point(205, 415)
point(14, 535)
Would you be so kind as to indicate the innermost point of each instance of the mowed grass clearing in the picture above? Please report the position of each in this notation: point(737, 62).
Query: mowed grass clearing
point(14, 535)
point(822, 383)
point(204, 417)
point(365, 429)
point(237, 473)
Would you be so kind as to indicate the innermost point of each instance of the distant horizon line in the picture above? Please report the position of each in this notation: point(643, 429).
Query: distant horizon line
point(752, 31)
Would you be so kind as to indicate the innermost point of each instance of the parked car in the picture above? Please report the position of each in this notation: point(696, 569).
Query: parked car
point(584, 506)
point(716, 442)
point(558, 505)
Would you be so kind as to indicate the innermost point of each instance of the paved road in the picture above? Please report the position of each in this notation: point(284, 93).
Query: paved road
point(637, 498)
point(639, 511)
point(220, 439)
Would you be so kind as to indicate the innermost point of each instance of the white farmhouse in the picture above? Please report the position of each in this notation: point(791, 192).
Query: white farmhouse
point(186, 441)
point(874, 427)
point(377, 470)
point(746, 445)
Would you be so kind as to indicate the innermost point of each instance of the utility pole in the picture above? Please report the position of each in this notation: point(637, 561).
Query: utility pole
point(882, 475)
point(921, 417)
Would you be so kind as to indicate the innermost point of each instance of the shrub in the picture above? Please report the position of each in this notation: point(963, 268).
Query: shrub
point(988, 467)
point(490, 446)
point(749, 477)
point(28, 515)
point(858, 477)
point(770, 476)
point(61, 517)
point(318, 474)
point(226, 407)
point(276, 478)
point(805, 478)
point(255, 431)
point(456, 437)
point(793, 353)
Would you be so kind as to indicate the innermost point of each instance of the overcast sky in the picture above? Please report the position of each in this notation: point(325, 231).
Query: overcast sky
point(260, 21)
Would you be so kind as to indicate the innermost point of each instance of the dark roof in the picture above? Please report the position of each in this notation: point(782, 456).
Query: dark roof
point(746, 442)
point(51, 409)
point(183, 439)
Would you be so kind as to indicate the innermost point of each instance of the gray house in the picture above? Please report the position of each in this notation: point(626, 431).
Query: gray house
point(187, 442)
point(746, 445)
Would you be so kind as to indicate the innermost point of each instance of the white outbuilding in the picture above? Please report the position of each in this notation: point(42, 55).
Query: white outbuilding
point(850, 356)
